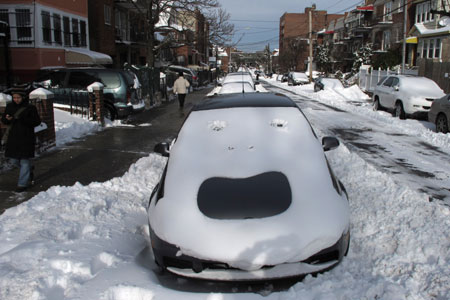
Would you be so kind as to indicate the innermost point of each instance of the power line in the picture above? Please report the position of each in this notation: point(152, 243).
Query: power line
point(333, 5)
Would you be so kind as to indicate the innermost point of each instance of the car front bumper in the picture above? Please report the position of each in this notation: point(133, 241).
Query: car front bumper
point(269, 273)
point(168, 257)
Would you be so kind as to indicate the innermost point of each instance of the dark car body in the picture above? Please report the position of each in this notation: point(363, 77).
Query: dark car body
point(228, 198)
point(119, 93)
point(439, 114)
point(189, 74)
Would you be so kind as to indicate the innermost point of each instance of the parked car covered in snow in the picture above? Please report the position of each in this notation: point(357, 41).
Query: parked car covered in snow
point(406, 95)
point(297, 78)
point(321, 83)
point(233, 87)
point(439, 114)
point(246, 205)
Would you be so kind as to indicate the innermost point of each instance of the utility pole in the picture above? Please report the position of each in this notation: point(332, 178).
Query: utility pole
point(310, 42)
point(405, 19)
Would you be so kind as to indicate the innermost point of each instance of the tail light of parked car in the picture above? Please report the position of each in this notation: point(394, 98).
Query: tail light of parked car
point(194, 77)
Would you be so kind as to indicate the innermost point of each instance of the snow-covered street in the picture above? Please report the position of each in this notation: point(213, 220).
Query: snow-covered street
point(91, 242)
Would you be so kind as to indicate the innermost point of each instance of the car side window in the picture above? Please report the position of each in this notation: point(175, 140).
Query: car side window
point(395, 82)
point(81, 79)
point(381, 80)
point(110, 79)
point(388, 81)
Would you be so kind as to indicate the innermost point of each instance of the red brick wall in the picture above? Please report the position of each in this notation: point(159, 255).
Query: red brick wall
point(101, 36)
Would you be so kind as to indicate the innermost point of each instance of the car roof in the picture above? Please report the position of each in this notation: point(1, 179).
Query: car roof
point(245, 100)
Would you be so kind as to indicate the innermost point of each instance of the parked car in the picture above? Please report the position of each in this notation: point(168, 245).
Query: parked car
point(239, 77)
point(320, 83)
point(188, 73)
point(285, 77)
point(439, 114)
point(251, 207)
point(233, 87)
point(120, 95)
point(297, 78)
point(406, 95)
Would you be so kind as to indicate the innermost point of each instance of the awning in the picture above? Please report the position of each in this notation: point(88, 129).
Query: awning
point(411, 40)
point(81, 56)
point(365, 8)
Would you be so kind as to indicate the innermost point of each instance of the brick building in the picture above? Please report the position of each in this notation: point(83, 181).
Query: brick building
point(294, 36)
point(117, 28)
point(47, 33)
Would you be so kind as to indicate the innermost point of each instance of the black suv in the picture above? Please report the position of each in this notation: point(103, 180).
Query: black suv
point(120, 96)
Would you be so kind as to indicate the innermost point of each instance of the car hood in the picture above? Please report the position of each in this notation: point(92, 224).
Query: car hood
point(235, 147)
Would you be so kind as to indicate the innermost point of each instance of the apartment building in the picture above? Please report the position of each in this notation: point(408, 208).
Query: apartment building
point(294, 36)
point(46, 34)
point(118, 28)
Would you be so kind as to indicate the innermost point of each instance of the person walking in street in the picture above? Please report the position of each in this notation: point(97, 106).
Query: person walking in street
point(19, 139)
point(180, 88)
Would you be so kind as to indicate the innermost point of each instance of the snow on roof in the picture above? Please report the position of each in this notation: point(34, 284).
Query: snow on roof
point(424, 31)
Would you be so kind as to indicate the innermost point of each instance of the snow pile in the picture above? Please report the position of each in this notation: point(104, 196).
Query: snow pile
point(84, 242)
point(70, 127)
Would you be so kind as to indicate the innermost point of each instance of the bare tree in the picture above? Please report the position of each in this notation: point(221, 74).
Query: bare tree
point(220, 29)
point(159, 13)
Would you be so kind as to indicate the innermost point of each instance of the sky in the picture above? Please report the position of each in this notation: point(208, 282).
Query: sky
point(91, 241)
point(257, 21)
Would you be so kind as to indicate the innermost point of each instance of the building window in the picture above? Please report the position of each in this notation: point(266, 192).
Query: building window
point(66, 24)
point(4, 16)
point(387, 16)
point(75, 36)
point(437, 48)
point(386, 40)
point(46, 27)
point(57, 29)
point(23, 26)
point(423, 12)
point(83, 33)
point(107, 14)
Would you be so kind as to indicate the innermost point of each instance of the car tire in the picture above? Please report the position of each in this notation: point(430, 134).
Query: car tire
point(441, 123)
point(399, 112)
point(376, 104)
point(110, 112)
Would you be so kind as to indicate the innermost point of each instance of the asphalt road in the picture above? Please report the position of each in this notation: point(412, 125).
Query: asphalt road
point(102, 156)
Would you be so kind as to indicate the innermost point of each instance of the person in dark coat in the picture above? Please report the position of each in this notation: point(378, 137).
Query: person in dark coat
point(22, 117)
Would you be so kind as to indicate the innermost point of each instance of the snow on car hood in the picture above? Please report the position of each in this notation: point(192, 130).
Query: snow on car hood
point(241, 143)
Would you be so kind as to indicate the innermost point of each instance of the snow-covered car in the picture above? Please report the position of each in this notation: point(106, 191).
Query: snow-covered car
point(297, 78)
point(248, 194)
point(321, 83)
point(233, 87)
point(439, 114)
point(239, 77)
point(406, 95)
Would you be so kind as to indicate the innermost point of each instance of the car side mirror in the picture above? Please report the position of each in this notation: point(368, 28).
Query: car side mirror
point(162, 148)
point(329, 143)
point(396, 88)
point(219, 84)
